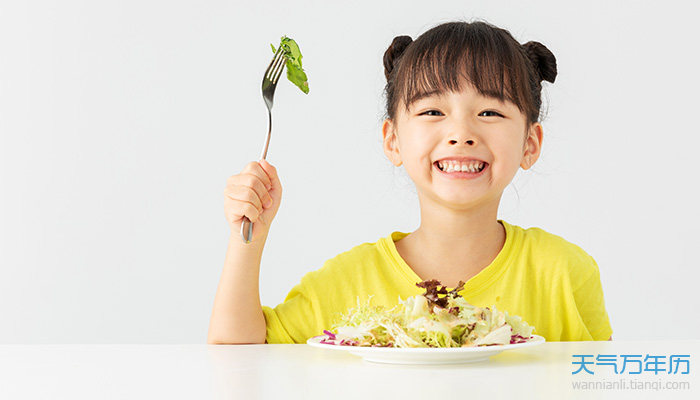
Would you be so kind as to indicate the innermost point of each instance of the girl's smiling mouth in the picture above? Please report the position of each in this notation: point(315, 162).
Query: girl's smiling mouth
point(461, 171)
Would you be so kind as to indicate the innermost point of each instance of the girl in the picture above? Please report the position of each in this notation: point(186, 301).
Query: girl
point(463, 102)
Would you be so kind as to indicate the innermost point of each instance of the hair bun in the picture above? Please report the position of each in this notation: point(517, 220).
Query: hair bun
point(394, 52)
point(544, 61)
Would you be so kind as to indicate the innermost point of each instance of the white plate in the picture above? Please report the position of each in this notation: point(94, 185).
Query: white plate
point(425, 355)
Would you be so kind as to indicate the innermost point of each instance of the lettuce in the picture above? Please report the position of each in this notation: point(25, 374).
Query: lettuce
point(295, 72)
point(520, 327)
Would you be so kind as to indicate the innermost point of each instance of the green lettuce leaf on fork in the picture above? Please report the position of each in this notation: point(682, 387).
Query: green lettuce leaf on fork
point(295, 72)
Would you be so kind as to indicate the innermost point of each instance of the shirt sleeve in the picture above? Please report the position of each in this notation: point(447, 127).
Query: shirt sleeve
point(294, 320)
point(591, 305)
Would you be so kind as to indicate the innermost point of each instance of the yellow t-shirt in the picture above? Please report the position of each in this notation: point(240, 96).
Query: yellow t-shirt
point(551, 283)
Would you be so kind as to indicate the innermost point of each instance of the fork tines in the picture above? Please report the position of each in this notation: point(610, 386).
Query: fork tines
point(274, 70)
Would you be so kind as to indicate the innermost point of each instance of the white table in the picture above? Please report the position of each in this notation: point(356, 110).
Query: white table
point(304, 372)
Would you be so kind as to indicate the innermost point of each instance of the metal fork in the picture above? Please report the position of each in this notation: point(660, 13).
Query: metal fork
point(269, 83)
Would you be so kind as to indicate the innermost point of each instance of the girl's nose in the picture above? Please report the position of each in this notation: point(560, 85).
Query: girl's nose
point(469, 142)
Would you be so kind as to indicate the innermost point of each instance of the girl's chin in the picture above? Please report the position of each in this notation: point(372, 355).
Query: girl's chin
point(463, 195)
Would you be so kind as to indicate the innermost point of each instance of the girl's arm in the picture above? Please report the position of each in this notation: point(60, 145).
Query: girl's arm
point(237, 317)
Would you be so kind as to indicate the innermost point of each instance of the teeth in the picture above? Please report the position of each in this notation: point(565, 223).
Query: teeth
point(450, 166)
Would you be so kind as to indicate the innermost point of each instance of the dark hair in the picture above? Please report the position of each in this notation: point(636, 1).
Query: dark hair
point(486, 56)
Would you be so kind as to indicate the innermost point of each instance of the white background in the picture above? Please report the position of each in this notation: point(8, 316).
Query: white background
point(121, 120)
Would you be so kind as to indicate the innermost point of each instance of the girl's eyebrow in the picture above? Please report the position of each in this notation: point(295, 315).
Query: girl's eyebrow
point(424, 95)
point(480, 98)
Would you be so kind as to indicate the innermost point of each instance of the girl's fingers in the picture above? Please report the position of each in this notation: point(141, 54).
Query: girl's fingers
point(242, 208)
point(257, 184)
point(244, 199)
point(251, 192)
point(271, 173)
point(256, 169)
point(251, 188)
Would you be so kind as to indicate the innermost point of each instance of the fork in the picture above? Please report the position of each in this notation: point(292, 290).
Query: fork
point(269, 83)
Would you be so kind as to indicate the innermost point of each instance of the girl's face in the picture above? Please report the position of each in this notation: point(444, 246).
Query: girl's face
point(464, 124)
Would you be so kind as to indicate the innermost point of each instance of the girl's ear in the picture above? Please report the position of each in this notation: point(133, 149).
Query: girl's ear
point(391, 148)
point(532, 147)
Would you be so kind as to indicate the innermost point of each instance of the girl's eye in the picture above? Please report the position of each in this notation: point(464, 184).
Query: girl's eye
point(490, 112)
point(436, 111)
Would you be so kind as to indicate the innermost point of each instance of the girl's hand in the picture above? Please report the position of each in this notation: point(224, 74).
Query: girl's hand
point(255, 193)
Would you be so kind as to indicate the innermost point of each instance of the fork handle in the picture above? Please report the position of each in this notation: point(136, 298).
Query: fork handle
point(246, 235)
point(249, 234)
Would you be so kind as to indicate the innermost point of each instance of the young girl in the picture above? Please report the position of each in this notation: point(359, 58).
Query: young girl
point(463, 101)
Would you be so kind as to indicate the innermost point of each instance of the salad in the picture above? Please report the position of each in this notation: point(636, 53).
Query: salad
point(428, 320)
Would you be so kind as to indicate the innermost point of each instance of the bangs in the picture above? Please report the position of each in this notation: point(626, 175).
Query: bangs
point(489, 64)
